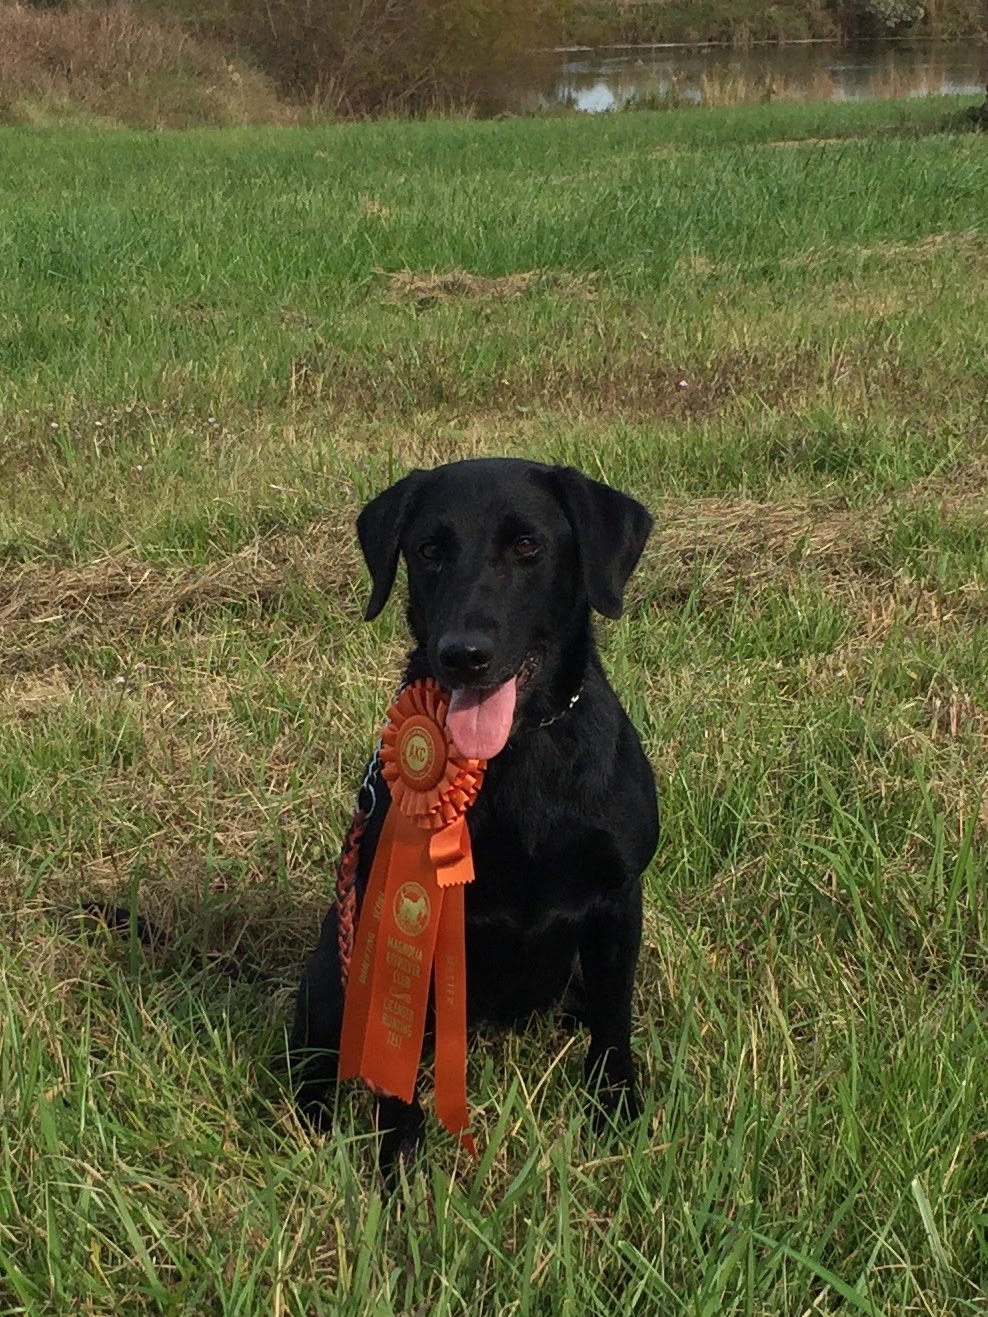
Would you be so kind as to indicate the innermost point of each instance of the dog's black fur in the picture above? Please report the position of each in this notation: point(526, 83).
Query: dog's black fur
point(506, 559)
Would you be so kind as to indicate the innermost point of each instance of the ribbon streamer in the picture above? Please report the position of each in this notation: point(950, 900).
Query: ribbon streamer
point(411, 927)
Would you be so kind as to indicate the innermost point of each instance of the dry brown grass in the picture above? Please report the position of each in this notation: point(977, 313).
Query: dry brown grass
point(120, 600)
point(733, 544)
point(129, 68)
point(797, 142)
point(605, 368)
point(43, 610)
point(371, 208)
point(434, 286)
point(726, 88)
point(966, 244)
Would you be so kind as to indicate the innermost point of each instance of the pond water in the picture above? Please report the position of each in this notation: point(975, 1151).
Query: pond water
point(605, 79)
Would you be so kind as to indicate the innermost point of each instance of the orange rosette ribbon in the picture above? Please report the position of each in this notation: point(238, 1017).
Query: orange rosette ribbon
point(411, 926)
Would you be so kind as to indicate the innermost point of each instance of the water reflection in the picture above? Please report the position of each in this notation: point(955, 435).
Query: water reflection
point(594, 81)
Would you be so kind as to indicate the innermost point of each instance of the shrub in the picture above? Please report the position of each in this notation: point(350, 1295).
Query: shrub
point(110, 61)
point(364, 56)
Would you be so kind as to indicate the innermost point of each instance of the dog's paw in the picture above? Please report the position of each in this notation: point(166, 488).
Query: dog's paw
point(613, 1105)
point(311, 1082)
point(402, 1130)
point(612, 1090)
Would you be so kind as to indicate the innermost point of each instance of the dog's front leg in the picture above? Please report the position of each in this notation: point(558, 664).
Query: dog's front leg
point(314, 1050)
point(609, 948)
point(314, 1042)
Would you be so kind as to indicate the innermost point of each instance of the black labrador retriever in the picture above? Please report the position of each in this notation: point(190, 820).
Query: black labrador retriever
point(506, 559)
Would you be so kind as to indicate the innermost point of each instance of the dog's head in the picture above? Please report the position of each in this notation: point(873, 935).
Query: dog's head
point(505, 560)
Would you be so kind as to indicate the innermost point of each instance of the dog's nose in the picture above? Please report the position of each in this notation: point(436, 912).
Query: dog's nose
point(468, 654)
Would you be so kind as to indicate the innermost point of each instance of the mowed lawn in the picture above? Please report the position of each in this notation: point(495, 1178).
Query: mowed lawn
point(770, 325)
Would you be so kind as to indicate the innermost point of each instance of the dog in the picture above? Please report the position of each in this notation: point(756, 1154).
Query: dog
point(506, 562)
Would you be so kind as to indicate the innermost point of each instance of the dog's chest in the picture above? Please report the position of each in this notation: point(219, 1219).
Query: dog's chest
point(539, 860)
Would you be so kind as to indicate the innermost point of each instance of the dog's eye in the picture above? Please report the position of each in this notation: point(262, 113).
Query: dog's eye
point(430, 551)
point(526, 547)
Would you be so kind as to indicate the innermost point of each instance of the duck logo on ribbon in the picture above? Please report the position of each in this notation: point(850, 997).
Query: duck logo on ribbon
point(411, 926)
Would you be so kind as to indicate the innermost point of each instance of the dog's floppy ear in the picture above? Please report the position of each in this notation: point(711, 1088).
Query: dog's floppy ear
point(610, 528)
point(379, 528)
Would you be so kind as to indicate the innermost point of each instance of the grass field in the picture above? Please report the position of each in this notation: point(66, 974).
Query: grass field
point(769, 324)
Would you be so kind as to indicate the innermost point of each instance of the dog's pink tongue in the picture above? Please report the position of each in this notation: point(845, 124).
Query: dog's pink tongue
point(480, 721)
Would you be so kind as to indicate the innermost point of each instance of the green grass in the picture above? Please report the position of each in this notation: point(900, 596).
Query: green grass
point(781, 348)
